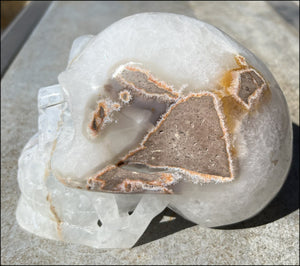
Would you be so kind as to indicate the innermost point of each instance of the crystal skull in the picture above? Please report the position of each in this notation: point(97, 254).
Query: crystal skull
point(158, 110)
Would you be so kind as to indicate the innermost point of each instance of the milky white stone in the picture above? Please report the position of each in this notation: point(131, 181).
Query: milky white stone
point(191, 56)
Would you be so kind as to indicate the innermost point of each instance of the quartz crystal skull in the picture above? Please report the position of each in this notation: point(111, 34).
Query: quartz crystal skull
point(158, 110)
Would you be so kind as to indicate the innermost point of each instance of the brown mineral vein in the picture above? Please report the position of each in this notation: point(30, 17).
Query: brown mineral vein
point(57, 219)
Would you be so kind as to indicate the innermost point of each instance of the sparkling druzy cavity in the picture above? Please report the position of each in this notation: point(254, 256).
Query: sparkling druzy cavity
point(181, 117)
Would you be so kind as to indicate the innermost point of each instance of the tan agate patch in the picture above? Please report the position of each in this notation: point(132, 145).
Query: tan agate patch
point(245, 84)
point(142, 80)
point(196, 151)
point(117, 179)
point(191, 140)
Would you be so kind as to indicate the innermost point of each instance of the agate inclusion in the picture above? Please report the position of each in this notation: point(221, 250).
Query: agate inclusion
point(158, 110)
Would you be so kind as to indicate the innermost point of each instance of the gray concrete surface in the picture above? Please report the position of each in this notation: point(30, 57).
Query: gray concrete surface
point(271, 237)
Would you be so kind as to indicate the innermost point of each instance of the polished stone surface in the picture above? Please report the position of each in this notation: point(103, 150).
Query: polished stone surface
point(271, 237)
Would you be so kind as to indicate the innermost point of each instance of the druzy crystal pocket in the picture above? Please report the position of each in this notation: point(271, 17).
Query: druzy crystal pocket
point(158, 110)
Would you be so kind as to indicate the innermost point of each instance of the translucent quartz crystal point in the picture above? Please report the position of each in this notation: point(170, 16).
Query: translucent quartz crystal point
point(158, 110)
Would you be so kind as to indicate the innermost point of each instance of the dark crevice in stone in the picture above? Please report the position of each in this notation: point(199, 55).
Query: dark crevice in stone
point(99, 223)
